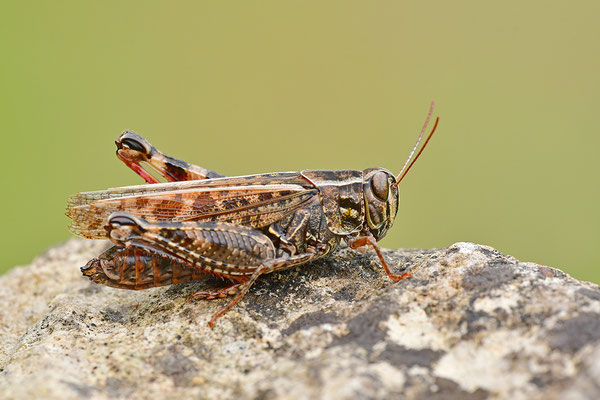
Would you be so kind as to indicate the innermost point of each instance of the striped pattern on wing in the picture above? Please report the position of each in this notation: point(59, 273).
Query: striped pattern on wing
point(254, 201)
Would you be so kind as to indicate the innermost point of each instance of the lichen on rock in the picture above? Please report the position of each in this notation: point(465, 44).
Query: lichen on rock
point(472, 323)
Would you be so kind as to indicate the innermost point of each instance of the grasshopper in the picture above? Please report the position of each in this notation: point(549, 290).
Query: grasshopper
point(201, 223)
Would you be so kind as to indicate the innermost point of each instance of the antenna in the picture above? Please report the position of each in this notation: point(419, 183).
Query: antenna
point(404, 169)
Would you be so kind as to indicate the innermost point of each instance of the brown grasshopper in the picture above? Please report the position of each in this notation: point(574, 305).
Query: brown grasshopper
point(202, 224)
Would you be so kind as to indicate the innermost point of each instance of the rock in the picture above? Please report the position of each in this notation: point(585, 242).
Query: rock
point(471, 324)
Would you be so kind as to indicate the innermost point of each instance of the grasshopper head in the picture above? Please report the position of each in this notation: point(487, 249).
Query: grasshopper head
point(380, 194)
point(380, 188)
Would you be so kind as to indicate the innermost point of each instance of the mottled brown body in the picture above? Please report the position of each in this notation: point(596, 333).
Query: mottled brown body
point(201, 223)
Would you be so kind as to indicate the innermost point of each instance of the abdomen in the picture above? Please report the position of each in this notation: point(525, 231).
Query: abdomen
point(135, 268)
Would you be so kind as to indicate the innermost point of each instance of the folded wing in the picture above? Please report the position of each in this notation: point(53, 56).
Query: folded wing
point(255, 201)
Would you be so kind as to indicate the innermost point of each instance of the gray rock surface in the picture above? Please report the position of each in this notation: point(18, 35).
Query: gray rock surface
point(471, 324)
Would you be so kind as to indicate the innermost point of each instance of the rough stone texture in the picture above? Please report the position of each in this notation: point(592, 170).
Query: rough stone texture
point(472, 324)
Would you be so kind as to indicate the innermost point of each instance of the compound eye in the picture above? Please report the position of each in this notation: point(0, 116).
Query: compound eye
point(380, 186)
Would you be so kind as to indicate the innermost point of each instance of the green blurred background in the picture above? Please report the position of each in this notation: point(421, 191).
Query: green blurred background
point(275, 86)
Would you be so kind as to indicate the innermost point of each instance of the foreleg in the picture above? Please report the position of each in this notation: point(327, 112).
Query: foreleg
point(370, 241)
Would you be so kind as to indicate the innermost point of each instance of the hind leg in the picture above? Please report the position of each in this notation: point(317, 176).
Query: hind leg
point(229, 290)
point(134, 151)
